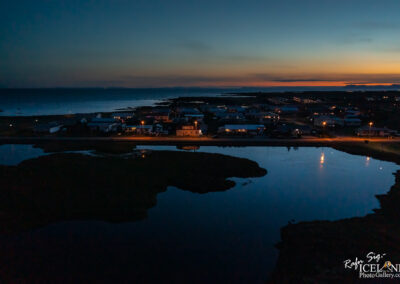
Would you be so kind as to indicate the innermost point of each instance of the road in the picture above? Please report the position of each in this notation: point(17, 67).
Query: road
point(198, 140)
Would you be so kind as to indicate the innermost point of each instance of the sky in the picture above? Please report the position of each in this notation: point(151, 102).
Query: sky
point(165, 43)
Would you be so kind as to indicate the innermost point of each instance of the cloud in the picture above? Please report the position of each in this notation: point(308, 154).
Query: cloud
point(255, 78)
point(288, 78)
point(222, 80)
point(374, 25)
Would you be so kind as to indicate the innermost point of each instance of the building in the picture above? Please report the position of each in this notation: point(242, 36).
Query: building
point(326, 121)
point(352, 122)
point(188, 130)
point(232, 116)
point(291, 130)
point(189, 113)
point(155, 114)
point(122, 115)
point(263, 117)
point(51, 127)
point(198, 117)
point(287, 109)
point(367, 131)
point(159, 115)
point(242, 129)
point(139, 129)
point(104, 124)
point(236, 109)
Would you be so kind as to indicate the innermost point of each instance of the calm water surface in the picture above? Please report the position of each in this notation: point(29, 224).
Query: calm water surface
point(27, 102)
point(224, 237)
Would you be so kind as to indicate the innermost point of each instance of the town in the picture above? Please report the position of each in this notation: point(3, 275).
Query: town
point(272, 115)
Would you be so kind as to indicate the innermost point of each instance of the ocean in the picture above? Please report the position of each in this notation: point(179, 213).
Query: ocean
point(31, 102)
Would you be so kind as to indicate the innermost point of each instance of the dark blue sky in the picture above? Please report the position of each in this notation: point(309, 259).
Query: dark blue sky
point(198, 43)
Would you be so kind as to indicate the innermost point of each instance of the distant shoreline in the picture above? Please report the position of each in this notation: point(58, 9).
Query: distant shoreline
point(378, 148)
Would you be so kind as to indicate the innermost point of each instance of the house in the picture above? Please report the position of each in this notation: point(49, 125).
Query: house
point(290, 130)
point(159, 115)
point(242, 129)
point(122, 115)
point(352, 113)
point(188, 130)
point(287, 109)
point(319, 109)
point(264, 117)
point(189, 113)
point(232, 116)
point(367, 131)
point(104, 124)
point(306, 100)
point(237, 109)
point(277, 100)
point(213, 109)
point(198, 117)
point(51, 127)
point(326, 121)
point(352, 121)
point(139, 129)
point(332, 121)
point(156, 114)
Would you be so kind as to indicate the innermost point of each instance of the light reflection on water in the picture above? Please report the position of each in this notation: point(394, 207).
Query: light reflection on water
point(222, 236)
point(13, 154)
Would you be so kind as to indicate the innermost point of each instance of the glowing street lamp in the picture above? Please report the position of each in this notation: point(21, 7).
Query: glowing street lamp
point(370, 125)
point(195, 124)
point(142, 124)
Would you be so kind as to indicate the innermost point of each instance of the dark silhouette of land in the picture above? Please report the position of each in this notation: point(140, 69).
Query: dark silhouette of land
point(71, 186)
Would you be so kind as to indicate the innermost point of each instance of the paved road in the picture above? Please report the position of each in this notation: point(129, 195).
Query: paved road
point(198, 140)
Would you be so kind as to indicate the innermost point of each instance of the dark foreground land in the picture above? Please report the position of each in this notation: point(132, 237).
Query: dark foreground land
point(111, 188)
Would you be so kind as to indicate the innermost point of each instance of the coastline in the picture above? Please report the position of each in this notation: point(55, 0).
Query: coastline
point(382, 149)
point(327, 244)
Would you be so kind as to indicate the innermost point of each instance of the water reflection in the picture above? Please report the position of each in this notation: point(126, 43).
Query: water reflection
point(322, 159)
point(219, 237)
point(13, 154)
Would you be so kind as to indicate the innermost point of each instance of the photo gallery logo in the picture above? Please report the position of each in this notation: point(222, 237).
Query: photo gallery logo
point(373, 265)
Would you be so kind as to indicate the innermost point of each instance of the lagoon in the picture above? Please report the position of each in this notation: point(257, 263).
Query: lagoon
point(218, 237)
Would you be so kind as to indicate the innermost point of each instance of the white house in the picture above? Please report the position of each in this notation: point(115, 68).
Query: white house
point(252, 129)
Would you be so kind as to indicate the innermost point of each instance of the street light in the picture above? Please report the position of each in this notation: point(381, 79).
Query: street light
point(324, 127)
point(195, 124)
point(370, 125)
point(142, 123)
